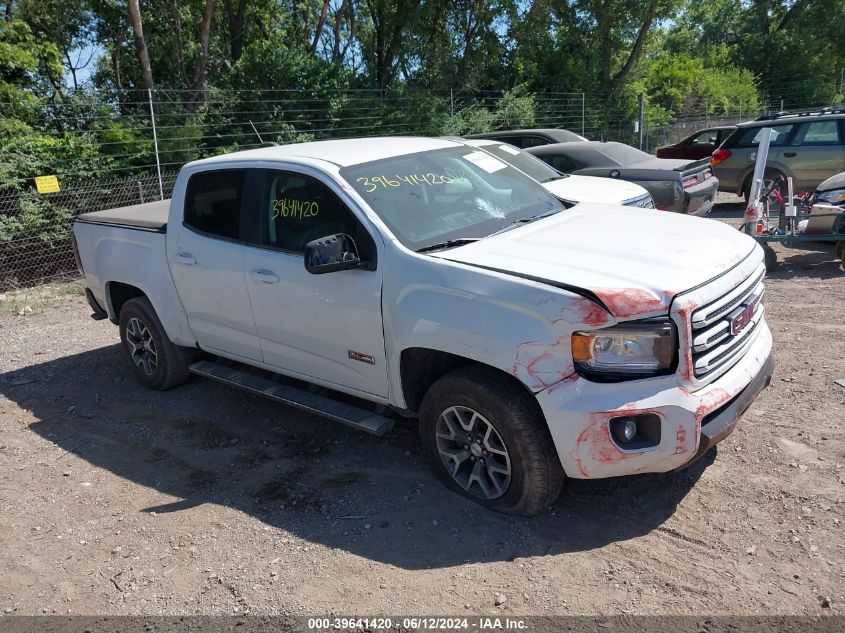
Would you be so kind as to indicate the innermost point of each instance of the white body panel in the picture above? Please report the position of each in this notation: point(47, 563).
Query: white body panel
point(581, 188)
point(511, 302)
point(592, 189)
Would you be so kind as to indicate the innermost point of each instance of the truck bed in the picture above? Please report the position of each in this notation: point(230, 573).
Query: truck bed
point(150, 216)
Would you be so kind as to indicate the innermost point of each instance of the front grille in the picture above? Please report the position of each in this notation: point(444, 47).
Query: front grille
point(715, 347)
point(643, 202)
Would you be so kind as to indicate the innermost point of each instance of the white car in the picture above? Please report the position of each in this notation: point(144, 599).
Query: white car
point(423, 278)
point(567, 187)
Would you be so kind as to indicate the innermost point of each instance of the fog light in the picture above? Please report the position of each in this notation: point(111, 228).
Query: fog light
point(635, 431)
point(624, 430)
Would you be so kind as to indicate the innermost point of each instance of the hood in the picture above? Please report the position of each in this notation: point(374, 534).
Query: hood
point(634, 260)
point(834, 182)
point(593, 189)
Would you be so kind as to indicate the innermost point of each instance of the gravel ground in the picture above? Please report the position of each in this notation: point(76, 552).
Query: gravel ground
point(202, 500)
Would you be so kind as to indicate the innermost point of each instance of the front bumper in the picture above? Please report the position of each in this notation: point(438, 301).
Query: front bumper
point(578, 411)
point(720, 423)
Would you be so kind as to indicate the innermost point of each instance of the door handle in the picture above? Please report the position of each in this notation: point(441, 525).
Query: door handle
point(752, 156)
point(790, 154)
point(186, 258)
point(265, 276)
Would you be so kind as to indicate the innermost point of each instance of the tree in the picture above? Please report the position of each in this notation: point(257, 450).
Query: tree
point(140, 44)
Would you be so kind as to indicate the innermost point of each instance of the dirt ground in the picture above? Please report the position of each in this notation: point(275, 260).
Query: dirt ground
point(202, 500)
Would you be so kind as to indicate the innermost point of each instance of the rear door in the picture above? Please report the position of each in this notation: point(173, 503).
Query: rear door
point(206, 257)
point(815, 153)
point(326, 327)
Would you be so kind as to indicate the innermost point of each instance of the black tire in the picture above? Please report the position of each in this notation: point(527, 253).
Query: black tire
point(840, 252)
point(166, 364)
point(536, 476)
point(768, 176)
point(770, 257)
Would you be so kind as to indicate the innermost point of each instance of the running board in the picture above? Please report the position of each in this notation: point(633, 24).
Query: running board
point(348, 414)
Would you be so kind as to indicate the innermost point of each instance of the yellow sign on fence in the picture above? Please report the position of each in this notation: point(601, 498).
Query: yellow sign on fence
point(47, 184)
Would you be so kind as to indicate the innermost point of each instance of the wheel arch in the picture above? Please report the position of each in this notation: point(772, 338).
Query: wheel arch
point(117, 294)
point(421, 367)
point(770, 167)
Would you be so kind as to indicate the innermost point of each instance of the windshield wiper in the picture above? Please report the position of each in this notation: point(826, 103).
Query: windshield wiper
point(448, 244)
point(553, 178)
point(527, 220)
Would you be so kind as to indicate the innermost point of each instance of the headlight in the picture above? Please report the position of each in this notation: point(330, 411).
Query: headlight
point(834, 196)
point(627, 351)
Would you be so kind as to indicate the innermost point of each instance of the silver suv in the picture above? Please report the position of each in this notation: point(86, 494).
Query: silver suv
point(807, 146)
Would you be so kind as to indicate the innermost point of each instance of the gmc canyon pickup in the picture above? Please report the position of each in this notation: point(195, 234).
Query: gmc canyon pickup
point(373, 278)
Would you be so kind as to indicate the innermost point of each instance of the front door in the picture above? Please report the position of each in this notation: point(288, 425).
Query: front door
point(206, 258)
point(326, 327)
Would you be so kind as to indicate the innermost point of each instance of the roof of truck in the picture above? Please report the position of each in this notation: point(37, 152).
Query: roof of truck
point(342, 152)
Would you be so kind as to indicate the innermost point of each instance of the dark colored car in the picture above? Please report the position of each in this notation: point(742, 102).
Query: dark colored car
point(531, 138)
point(674, 184)
point(805, 146)
point(697, 146)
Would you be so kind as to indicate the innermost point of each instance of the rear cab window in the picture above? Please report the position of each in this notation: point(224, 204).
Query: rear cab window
point(214, 202)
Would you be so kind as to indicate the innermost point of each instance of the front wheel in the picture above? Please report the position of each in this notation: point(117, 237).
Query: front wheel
point(158, 363)
point(486, 438)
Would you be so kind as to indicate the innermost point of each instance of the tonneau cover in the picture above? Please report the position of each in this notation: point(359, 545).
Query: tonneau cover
point(149, 216)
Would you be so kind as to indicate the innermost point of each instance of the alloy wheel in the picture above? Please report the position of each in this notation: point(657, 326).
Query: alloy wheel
point(473, 452)
point(142, 347)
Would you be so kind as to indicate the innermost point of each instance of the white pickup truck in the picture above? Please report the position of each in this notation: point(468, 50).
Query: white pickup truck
point(373, 278)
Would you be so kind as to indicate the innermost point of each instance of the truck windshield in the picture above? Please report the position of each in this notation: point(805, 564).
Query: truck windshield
point(524, 162)
point(446, 195)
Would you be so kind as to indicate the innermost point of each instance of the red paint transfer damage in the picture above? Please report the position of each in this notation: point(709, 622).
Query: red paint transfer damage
point(627, 302)
point(595, 443)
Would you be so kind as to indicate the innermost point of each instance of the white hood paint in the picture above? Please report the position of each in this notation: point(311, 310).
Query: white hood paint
point(593, 189)
point(634, 260)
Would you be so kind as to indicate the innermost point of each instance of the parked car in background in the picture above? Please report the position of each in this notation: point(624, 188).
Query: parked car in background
point(697, 146)
point(531, 138)
point(675, 185)
point(565, 187)
point(806, 146)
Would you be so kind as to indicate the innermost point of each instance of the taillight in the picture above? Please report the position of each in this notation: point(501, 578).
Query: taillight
point(720, 155)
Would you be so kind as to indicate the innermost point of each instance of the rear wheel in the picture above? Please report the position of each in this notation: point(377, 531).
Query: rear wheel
point(486, 438)
point(768, 176)
point(157, 362)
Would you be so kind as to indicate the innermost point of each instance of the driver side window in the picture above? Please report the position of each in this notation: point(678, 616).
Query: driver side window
point(297, 209)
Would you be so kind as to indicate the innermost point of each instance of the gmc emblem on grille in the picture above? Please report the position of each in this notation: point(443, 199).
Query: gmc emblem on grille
point(742, 316)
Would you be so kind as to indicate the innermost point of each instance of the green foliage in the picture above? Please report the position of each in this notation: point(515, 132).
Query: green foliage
point(474, 119)
point(515, 109)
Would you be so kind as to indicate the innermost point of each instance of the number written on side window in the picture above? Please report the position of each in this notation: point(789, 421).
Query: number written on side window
point(298, 209)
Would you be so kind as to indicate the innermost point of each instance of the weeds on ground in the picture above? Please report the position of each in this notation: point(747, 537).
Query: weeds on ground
point(36, 299)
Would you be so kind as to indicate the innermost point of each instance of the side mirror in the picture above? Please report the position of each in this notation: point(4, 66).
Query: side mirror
point(330, 254)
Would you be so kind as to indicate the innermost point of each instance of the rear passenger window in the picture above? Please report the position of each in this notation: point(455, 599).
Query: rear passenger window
point(751, 138)
point(818, 133)
point(213, 203)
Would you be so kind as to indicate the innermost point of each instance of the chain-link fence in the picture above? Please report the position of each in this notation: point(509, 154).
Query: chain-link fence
point(47, 253)
point(115, 150)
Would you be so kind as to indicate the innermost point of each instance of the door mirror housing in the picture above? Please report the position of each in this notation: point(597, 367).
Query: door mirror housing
point(331, 253)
